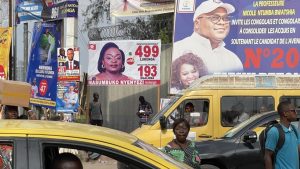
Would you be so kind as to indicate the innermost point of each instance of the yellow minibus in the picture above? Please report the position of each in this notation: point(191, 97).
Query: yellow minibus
point(220, 102)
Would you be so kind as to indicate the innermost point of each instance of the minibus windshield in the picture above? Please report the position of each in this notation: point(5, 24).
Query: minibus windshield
point(153, 119)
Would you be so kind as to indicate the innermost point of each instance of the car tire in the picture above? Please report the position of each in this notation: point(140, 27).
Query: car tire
point(209, 166)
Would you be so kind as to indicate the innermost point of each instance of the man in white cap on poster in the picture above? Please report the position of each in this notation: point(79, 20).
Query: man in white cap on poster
point(211, 26)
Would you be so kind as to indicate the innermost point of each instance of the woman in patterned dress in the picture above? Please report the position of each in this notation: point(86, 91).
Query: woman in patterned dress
point(180, 148)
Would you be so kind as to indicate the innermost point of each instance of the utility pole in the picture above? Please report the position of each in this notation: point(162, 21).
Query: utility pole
point(25, 64)
point(12, 23)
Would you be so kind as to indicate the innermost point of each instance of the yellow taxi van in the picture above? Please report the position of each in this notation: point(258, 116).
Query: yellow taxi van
point(34, 144)
point(220, 102)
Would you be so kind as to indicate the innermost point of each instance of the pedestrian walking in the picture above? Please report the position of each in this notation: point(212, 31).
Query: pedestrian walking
point(95, 112)
point(287, 156)
point(96, 118)
point(144, 110)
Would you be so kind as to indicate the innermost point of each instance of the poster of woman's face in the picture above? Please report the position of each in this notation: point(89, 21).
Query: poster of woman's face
point(132, 62)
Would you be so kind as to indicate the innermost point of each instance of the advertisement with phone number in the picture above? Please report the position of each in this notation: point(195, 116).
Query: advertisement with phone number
point(127, 62)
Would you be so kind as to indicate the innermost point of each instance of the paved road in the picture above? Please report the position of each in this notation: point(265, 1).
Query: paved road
point(103, 162)
point(96, 164)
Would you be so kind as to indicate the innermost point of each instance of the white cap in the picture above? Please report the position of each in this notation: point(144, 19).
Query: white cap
point(210, 5)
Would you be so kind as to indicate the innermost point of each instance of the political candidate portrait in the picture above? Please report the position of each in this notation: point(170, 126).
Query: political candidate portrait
point(70, 97)
point(111, 63)
point(62, 54)
point(211, 25)
point(71, 63)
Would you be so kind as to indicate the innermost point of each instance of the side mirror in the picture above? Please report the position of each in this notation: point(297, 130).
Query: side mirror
point(163, 122)
point(250, 137)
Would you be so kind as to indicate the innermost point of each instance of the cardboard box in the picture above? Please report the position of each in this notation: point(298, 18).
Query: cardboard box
point(14, 93)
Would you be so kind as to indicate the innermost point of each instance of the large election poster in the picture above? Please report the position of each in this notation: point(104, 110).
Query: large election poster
point(68, 64)
point(59, 9)
point(5, 43)
point(67, 97)
point(45, 9)
point(140, 7)
point(234, 36)
point(42, 69)
point(126, 62)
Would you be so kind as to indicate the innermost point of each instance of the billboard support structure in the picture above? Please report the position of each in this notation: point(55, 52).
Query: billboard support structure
point(25, 48)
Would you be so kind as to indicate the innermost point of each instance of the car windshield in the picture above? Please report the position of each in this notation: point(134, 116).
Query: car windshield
point(159, 153)
point(239, 127)
point(156, 117)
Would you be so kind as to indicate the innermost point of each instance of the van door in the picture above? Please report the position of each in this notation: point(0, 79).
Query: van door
point(198, 112)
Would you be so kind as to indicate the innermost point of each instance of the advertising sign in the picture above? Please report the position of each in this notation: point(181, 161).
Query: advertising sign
point(68, 64)
point(234, 36)
point(59, 9)
point(67, 97)
point(45, 9)
point(42, 69)
point(5, 43)
point(28, 10)
point(128, 62)
point(141, 7)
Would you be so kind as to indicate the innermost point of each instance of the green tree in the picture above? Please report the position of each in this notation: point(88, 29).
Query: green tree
point(96, 13)
point(151, 27)
point(141, 28)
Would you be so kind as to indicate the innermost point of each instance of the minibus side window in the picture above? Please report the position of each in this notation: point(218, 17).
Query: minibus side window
point(195, 111)
point(236, 109)
point(295, 100)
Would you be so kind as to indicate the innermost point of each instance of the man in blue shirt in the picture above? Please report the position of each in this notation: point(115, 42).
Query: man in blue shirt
point(70, 97)
point(288, 156)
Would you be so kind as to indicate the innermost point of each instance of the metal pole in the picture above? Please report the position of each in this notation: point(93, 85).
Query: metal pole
point(12, 23)
point(25, 50)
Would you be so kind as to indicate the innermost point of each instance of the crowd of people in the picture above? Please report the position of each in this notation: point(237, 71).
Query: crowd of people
point(12, 112)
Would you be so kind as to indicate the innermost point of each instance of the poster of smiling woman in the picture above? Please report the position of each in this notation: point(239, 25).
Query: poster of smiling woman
point(234, 36)
point(125, 62)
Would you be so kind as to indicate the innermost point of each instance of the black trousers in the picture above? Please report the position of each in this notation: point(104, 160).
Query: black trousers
point(96, 122)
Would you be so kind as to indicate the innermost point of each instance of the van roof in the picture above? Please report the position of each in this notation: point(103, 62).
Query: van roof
point(247, 81)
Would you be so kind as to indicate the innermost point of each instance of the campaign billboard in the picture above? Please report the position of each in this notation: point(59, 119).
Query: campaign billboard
point(141, 7)
point(67, 97)
point(42, 69)
point(68, 64)
point(234, 36)
point(27, 10)
point(124, 62)
point(59, 9)
point(5, 44)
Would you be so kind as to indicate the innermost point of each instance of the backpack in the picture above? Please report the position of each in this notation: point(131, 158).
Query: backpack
point(281, 139)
